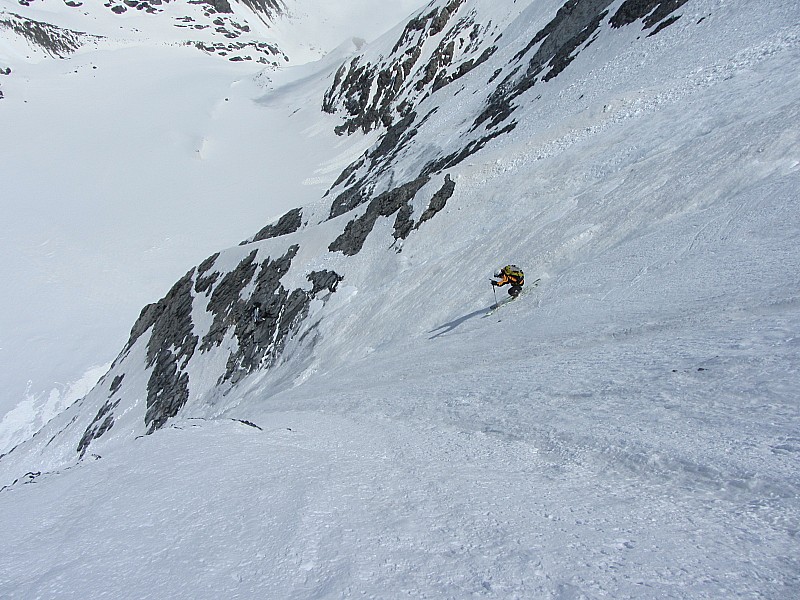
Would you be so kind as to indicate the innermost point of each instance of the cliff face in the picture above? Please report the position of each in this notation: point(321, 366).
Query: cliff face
point(456, 80)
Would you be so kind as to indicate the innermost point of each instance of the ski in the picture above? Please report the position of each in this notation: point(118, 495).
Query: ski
point(509, 300)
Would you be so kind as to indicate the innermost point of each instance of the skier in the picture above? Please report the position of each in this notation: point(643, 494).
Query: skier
point(512, 275)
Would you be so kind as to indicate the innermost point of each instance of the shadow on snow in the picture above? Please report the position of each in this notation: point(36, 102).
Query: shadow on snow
point(448, 327)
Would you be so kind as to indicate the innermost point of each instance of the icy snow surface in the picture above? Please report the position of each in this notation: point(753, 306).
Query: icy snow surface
point(628, 429)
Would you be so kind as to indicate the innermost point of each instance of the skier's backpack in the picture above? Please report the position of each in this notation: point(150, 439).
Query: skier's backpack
point(515, 274)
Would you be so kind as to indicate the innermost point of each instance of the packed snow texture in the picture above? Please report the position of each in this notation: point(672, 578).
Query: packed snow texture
point(630, 428)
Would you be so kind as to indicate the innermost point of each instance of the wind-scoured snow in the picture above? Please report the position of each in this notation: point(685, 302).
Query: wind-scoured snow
point(629, 428)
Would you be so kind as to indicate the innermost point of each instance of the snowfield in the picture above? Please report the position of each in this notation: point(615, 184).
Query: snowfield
point(629, 428)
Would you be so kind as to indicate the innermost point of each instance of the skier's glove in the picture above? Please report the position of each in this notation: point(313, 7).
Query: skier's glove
point(493, 282)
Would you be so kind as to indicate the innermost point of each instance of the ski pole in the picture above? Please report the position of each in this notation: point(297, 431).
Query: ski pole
point(494, 291)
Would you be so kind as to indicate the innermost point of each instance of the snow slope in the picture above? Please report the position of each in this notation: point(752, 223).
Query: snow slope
point(128, 161)
point(629, 429)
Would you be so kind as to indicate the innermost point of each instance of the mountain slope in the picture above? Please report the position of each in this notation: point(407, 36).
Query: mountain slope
point(627, 429)
point(149, 156)
point(203, 338)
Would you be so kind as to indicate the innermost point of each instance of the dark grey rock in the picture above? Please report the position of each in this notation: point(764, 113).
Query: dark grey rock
point(261, 334)
point(116, 383)
point(394, 137)
point(403, 223)
point(147, 317)
point(269, 8)
point(376, 162)
point(438, 201)
point(204, 282)
point(167, 391)
point(57, 41)
point(355, 234)
point(651, 11)
point(324, 280)
point(257, 337)
point(663, 24)
point(576, 20)
point(368, 93)
point(102, 423)
point(222, 6)
point(443, 79)
point(353, 196)
point(172, 343)
point(264, 322)
point(224, 299)
point(288, 223)
point(446, 162)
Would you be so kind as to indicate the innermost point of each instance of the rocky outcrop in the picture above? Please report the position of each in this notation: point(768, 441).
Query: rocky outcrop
point(267, 8)
point(438, 201)
point(398, 200)
point(102, 423)
point(384, 205)
point(224, 298)
point(288, 223)
point(172, 344)
point(651, 12)
point(147, 6)
point(212, 27)
point(388, 92)
point(56, 41)
point(261, 52)
point(560, 42)
point(233, 37)
point(359, 178)
point(371, 95)
point(222, 6)
point(259, 322)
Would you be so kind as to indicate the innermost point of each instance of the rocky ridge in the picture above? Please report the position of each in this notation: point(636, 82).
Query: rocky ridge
point(56, 41)
point(388, 91)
